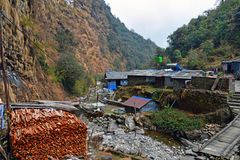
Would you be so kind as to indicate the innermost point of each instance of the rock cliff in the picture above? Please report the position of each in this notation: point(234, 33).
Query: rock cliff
point(31, 28)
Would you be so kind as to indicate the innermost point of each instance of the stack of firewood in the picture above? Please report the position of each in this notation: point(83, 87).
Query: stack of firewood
point(39, 134)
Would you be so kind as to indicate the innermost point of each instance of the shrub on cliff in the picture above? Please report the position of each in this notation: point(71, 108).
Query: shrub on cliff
point(174, 120)
point(70, 71)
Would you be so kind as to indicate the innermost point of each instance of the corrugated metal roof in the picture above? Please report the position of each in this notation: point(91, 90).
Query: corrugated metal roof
point(147, 73)
point(188, 74)
point(184, 74)
point(170, 73)
point(124, 75)
point(116, 75)
point(137, 102)
point(172, 64)
point(233, 60)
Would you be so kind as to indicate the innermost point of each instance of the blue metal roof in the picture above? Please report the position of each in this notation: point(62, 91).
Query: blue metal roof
point(143, 98)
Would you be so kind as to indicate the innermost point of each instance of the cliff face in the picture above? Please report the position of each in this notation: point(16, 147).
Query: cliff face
point(101, 42)
point(27, 80)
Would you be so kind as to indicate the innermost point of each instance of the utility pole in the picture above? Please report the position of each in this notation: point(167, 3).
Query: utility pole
point(5, 82)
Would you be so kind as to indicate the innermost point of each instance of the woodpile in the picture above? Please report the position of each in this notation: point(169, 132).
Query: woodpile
point(37, 134)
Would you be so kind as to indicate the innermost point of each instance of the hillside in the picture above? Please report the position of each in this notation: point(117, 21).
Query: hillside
point(63, 44)
point(207, 40)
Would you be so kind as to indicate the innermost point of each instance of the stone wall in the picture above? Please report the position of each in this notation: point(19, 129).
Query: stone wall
point(207, 83)
point(221, 116)
point(200, 101)
point(140, 80)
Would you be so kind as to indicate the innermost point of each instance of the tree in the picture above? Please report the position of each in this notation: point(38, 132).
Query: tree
point(65, 40)
point(178, 55)
point(69, 70)
point(207, 47)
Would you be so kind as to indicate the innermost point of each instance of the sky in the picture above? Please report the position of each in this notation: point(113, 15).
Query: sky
point(157, 19)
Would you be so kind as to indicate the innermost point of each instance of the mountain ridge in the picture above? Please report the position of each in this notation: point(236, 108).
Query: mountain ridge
point(84, 30)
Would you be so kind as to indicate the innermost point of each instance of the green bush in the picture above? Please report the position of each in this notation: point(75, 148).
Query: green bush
point(42, 62)
point(80, 87)
point(69, 71)
point(27, 22)
point(174, 120)
point(65, 40)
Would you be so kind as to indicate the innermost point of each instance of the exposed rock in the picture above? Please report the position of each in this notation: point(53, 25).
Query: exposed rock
point(139, 130)
point(187, 158)
point(129, 123)
point(112, 126)
point(106, 157)
point(135, 144)
point(193, 135)
point(120, 121)
point(201, 158)
point(72, 158)
point(191, 153)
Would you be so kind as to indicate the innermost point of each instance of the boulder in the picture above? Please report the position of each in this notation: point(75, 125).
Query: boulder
point(129, 123)
point(112, 127)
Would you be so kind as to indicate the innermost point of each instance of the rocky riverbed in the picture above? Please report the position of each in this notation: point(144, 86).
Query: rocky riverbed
point(140, 145)
point(123, 136)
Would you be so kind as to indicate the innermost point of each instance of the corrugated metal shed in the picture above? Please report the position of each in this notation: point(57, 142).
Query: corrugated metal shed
point(137, 102)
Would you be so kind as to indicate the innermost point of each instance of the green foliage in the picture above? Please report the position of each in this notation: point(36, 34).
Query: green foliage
point(131, 46)
point(174, 120)
point(159, 94)
point(214, 29)
point(177, 55)
point(207, 47)
point(196, 60)
point(42, 62)
point(159, 60)
point(38, 49)
point(65, 40)
point(27, 22)
point(80, 87)
point(68, 70)
point(52, 72)
point(117, 64)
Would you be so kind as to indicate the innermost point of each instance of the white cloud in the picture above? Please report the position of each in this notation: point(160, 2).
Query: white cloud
point(156, 19)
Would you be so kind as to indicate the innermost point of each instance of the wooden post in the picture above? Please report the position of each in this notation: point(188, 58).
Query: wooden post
point(135, 110)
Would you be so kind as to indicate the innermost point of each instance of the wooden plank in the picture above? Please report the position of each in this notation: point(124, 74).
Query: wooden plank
point(56, 106)
point(215, 83)
point(73, 103)
point(222, 143)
